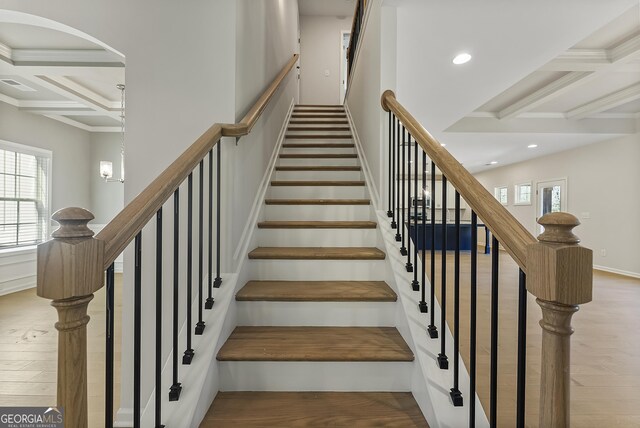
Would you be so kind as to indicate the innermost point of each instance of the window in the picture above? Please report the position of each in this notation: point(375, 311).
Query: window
point(501, 194)
point(24, 194)
point(523, 194)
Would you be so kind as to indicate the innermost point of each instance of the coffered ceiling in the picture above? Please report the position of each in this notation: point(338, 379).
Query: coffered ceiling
point(61, 76)
point(588, 93)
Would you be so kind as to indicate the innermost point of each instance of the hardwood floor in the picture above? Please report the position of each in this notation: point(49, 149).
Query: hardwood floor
point(605, 355)
point(605, 368)
point(28, 351)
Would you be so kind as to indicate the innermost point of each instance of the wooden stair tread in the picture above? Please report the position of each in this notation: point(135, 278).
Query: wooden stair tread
point(318, 110)
point(319, 105)
point(314, 409)
point(318, 137)
point(317, 201)
point(315, 344)
point(318, 168)
point(316, 291)
point(318, 145)
point(341, 183)
point(317, 224)
point(326, 115)
point(318, 122)
point(318, 156)
point(318, 128)
point(317, 253)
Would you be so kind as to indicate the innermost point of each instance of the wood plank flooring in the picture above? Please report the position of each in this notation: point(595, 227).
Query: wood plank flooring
point(28, 351)
point(314, 409)
point(315, 344)
point(317, 201)
point(605, 352)
point(316, 291)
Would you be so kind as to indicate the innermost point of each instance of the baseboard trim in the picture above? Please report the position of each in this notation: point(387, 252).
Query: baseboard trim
point(373, 189)
point(617, 271)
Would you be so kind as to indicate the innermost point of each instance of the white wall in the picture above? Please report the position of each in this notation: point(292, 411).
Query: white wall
point(602, 180)
point(70, 147)
point(70, 180)
point(107, 199)
point(320, 50)
point(266, 39)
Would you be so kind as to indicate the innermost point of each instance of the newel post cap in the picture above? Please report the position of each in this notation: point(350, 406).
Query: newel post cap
point(383, 102)
point(558, 269)
point(71, 264)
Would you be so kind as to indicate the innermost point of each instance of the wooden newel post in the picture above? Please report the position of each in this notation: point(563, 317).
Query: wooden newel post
point(560, 275)
point(70, 270)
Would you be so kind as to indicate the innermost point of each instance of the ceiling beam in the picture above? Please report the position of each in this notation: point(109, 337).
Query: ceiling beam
point(83, 126)
point(544, 94)
point(66, 57)
point(623, 96)
point(586, 64)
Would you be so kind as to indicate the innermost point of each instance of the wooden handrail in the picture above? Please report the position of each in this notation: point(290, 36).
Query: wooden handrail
point(246, 124)
point(124, 227)
point(512, 235)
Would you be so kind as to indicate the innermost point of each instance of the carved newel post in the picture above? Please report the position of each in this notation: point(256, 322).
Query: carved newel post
point(560, 275)
point(70, 270)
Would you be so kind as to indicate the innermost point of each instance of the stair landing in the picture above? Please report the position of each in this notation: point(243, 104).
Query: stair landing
point(314, 409)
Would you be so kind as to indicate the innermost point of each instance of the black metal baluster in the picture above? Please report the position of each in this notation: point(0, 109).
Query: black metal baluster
point(443, 361)
point(390, 210)
point(423, 302)
point(522, 349)
point(403, 249)
point(158, 400)
point(200, 324)
point(432, 329)
point(493, 388)
point(456, 395)
point(187, 357)
point(487, 246)
point(472, 320)
point(408, 265)
point(415, 284)
point(176, 387)
point(108, 384)
point(209, 302)
point(137, 329)
point(397, 176)
point(394, 178)
point(218, 281)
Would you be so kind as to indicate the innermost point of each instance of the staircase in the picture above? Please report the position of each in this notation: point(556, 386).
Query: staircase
point(316, 343)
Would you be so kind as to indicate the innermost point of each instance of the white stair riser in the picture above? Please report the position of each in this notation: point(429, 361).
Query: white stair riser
point(317, 212)
point(317, 270)
point(321, 314)
point(305, 150)
point(318, 161)
point(318, 175)
point(317, 192)
point(317, 237)
point(315, 376)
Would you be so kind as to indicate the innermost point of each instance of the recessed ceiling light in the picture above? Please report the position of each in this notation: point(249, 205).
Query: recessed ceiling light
point(461, 58)
point(532, 146)
point(493, 162)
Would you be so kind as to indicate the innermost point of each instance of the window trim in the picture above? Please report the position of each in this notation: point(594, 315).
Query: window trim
point(38, 153)
point(496, 194)
point(516, 190)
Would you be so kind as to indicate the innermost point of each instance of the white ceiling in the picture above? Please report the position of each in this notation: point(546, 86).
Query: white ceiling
point(73, 79)
point(586, 94)
point(556, 74)
point(342, 8)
